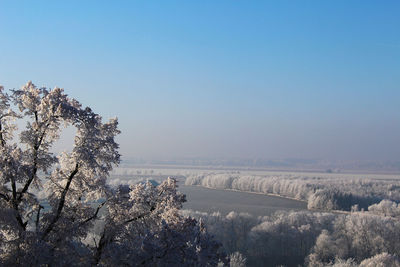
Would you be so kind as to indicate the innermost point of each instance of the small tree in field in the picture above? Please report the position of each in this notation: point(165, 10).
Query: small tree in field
point(50, 205)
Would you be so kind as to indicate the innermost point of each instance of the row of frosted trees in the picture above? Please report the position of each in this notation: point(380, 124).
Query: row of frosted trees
point(320, 192)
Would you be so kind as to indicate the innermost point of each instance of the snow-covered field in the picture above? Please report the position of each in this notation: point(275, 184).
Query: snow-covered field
point(322, 191)
point(225, 201)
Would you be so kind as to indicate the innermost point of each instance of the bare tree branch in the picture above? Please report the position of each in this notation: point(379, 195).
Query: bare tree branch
point(95, 214)
point(140, 216)
point(104, 240)
point(5, 197)
point(15, 203)
point(62, 202)
point(2, 141)
point(35, 157)
point(38, 217)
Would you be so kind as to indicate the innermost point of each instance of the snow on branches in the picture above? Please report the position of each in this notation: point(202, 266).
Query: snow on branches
point(59, 210)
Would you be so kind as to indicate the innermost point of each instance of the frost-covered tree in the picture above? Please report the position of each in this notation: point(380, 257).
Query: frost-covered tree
point(386, 208)
point(237, 260)
point(381, 260)
point(58, 209)
point(357, 236)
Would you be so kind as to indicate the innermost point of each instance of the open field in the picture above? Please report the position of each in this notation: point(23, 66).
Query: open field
point(225, 201)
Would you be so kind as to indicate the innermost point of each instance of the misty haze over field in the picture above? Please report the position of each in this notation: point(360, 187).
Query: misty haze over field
point(330, 166)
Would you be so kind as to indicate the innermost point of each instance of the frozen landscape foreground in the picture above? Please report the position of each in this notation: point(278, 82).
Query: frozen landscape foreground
point(319, 219)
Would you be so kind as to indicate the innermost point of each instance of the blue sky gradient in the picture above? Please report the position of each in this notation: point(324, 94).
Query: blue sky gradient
point(251, 79)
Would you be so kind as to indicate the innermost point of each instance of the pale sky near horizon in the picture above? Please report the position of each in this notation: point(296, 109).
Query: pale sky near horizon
point(251, 79)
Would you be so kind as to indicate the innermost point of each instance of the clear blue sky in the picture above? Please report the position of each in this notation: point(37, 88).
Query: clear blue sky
point(269, 79)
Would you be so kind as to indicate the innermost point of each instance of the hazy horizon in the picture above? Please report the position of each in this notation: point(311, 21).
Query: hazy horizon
point(270, 80)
